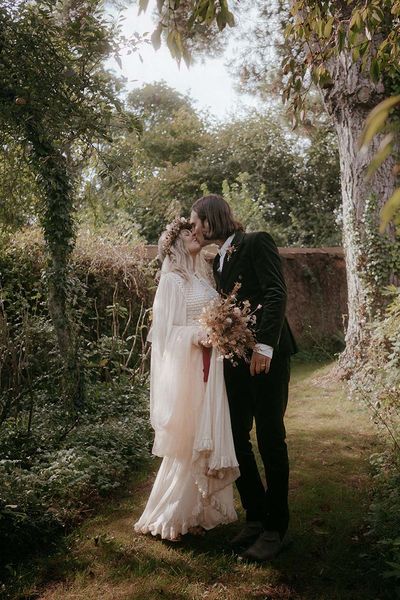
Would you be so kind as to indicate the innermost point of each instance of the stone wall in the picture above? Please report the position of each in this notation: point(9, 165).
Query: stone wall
point(317, 295)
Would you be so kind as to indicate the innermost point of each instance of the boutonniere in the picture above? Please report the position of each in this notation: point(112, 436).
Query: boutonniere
point(229, 251)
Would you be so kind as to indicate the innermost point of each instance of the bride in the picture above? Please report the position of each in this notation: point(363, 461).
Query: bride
point(188, 409)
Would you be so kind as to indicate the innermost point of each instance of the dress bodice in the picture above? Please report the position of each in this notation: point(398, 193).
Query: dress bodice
point(198, 292)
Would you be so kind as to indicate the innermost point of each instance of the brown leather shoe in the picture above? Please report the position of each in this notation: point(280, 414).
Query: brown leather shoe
point(266, 547)
point(247, 535)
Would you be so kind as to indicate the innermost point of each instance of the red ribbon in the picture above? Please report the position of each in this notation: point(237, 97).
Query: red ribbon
point(206, 362)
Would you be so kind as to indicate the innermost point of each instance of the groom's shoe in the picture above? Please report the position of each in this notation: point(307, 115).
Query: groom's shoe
point(247, 535)
point(266, 547)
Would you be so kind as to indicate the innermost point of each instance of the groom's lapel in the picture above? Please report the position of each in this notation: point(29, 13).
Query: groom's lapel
point(217, 274)
point(231, 257)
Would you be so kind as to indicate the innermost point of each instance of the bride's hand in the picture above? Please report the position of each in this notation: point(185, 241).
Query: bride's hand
point(203, 339)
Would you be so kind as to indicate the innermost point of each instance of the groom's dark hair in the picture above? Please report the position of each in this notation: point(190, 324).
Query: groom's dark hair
point(219, 216)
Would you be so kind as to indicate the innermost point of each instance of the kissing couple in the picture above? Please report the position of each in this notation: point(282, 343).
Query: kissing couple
point(202, 428)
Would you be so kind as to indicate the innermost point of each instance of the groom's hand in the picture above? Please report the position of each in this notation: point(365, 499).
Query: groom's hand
point(259, 364)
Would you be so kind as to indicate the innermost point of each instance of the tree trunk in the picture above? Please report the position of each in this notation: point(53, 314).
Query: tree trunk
point(74, 390)
point(57, 221)
point(368, 264)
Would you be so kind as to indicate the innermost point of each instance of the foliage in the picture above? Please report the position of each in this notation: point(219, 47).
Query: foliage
point(330, 506)
point(262, 47)
point(156, 104)
point(247, 209)
point(50, 477)
point(111, 290)
point(316, 214)
point(55, 464)
point(145, 179)
point(377, 385)
point(250, 209)
point(43, 112)
point(67, 103)
point(316, 32)
point(190, 27)
point(384, 515)
point(379, 258)
point(19, 194)
point(368, 31)
point(55, 114)
point(376, 122)
point(292, 178)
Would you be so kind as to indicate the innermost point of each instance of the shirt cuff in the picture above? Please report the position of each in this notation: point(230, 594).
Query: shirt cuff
point(264, 350)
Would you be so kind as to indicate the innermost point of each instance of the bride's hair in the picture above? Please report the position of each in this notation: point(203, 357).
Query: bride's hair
point(179, 260)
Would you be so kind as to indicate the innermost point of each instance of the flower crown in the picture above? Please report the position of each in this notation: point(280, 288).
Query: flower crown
point(172, 232)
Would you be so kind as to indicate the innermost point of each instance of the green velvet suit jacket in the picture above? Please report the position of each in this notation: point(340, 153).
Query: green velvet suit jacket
point(254, 262)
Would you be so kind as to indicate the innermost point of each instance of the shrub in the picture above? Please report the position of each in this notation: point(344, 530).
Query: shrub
point(377, 385)
point(56, 463)
point(59, 475)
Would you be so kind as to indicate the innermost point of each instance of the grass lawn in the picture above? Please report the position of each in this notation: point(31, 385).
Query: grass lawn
point(330, 440)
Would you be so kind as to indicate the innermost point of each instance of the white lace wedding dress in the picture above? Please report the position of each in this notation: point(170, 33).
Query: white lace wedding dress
point(191, 419)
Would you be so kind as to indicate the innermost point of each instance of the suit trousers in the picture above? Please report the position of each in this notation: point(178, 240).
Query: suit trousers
point(263, 399)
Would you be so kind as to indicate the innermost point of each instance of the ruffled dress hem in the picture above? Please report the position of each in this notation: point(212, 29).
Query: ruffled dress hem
point(172, 530)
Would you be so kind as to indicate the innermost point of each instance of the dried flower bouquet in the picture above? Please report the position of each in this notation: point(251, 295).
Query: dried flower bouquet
point(230, 326)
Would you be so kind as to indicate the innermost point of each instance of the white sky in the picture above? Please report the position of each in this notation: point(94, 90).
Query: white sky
point(209, 83)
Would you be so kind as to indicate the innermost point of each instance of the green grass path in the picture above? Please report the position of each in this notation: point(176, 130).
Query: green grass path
point(330, 440)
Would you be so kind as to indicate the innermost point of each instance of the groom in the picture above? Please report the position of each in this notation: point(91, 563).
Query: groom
point(258, 391)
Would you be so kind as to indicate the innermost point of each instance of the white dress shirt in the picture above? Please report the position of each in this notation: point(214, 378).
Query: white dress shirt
point(263, 349)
